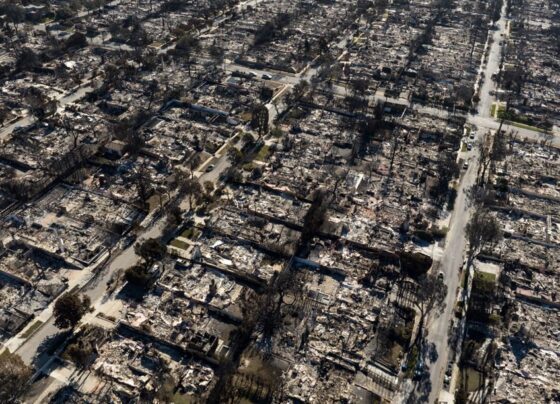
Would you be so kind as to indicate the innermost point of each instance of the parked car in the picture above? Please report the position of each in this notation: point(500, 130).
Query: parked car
point(449, 370)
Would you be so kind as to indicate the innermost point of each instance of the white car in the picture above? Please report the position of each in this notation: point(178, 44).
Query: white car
point(267, 76)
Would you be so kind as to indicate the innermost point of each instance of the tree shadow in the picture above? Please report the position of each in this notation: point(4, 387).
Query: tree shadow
point(422, 382)
point(48, 347)
point(421, 243)
point(132, 293)
point(421, 393)
point(96, 279)
point(65, 394)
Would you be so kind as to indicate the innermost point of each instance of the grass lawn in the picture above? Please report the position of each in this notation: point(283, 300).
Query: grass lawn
point(250, 166)
point(31, 329)
point(528, 127)
point(496, 110)
point(486, 277)
point(179, 244)
point(263, 153)
point(483, 282)
point(179, 398)
point(517, 120)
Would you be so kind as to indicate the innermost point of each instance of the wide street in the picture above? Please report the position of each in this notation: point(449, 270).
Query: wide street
point(455, 244)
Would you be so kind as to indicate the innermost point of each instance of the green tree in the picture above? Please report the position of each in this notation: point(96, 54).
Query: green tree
point(82, 348)
point(174, 215)
point(26, 60)
point(76, 40)
point(186, 44)
point(315, 216)
point(14, 375)
point(186, 48)
point(150, 250)
point(209, 187)
point(152, 90)
point(14, 14)
point(137, 275)
point(234, 155)
point(69, 309)
point(40, 105)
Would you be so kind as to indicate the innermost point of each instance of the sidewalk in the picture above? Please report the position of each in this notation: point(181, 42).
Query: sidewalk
point(75, 282)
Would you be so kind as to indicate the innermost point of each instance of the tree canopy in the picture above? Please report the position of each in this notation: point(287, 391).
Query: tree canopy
point(151, 250)
point(69, 309)
point(483, 229)
point(137, 275)
point(430, 293)
point(14, 375)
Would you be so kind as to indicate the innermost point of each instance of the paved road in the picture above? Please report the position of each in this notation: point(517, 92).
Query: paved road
point(492, 66)
point(220, 165)
point(455, 246)
point(96, 290)
point(531, 135)
point(481, 119)
point(6, 131)
point(451, 262)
